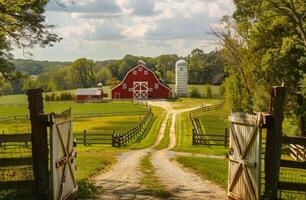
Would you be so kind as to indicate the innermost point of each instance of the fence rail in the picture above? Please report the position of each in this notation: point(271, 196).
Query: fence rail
point(88, 139)
point(299, 164)
point(198, 136)
point(15, 161)
point(135, 133)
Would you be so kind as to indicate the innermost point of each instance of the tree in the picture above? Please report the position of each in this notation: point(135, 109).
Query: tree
point(22, 25)
point(264, 46)
point(83, 70)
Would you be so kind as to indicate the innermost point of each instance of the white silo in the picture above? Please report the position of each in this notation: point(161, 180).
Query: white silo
point(181, 78)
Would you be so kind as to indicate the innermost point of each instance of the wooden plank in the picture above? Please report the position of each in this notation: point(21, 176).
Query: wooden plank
point(25, 137)
point(294, 140)
point(16, 184)
point(292, 186)
point(9, 162)
point(293, 164)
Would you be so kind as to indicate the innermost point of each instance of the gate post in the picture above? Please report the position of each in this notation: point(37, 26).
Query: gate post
point(39, 123)
point(273, 141)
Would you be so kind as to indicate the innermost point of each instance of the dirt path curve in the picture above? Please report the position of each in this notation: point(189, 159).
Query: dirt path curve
point(182, 183)
point(122, 181)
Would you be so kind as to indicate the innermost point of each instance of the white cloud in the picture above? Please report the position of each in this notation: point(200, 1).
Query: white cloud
point(143, 27)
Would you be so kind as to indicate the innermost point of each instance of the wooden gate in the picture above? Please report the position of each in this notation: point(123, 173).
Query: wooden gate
point(244, 156)
point(62, 157)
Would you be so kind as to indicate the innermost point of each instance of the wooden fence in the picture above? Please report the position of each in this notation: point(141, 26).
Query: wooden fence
point(93, 138)
point(136, 133)
point(210, 139)
point(16, 161)
point(201, 138)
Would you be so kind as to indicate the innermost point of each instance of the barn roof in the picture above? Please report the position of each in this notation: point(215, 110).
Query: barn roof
point(88, 91)
point(142, 64)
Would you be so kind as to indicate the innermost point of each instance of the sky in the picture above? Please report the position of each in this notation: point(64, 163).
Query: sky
point(111, 29)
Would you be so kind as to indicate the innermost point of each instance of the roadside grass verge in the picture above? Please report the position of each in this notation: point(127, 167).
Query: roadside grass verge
point(165, 140)
point(89, 164)
point(151, 136)
point(210, 168)
point(150, 180)
point(184, 138)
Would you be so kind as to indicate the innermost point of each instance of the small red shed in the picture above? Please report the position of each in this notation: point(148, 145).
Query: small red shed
point(89, 95)
point(141, 83)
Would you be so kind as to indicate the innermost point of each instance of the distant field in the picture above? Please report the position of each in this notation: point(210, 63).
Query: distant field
point(22, 98)
point(77, 109)
point(200, 88)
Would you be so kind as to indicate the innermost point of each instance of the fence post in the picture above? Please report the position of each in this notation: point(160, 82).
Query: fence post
point(273, 142)
point(113, 138)
point(225, 137)
point(39, 123)
point(85, 137)
point(193, 137)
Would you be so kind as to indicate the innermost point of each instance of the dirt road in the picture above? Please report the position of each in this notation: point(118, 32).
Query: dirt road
point(122, 181)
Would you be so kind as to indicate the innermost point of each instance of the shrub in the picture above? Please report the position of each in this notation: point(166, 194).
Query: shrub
point(194, 93)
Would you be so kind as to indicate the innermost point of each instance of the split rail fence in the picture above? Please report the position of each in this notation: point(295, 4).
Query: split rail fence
point(135, 134)
point(201, 138)
point(118, 139)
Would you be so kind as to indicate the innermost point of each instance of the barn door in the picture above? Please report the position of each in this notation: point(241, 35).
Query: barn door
point(244, 157)
point(140, 90)
point(62, 157)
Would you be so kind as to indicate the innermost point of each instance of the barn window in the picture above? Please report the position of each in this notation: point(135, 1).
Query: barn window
point(145, 72)
point(124, 86)
point(156, 86)
point(134, 72)
point(140, 69)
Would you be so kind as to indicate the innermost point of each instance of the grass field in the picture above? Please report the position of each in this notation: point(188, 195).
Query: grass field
point(184, 138)
point(114, 107)
point(151, 136)
point(183, 103)
point(210, 168)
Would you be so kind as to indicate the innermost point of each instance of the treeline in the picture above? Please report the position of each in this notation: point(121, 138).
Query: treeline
point(83, 73)
point(263, 45)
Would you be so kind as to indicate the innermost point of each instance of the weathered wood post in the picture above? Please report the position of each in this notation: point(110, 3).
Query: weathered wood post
point(273, 141)
point(39, 123)
point(225, 137)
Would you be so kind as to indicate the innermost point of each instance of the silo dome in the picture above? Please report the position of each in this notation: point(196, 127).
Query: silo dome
point(181, 78)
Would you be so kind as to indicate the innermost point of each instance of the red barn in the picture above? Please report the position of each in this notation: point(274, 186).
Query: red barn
point(89, 95)
point(141, 83)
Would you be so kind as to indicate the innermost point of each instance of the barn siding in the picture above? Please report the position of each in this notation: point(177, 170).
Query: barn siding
point(161, 92)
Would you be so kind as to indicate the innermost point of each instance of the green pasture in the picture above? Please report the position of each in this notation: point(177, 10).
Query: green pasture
point(184, 138)
point(110, 108)
point(184, 103)
point(213, 169)
point(213, 123)
point(151, 136)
